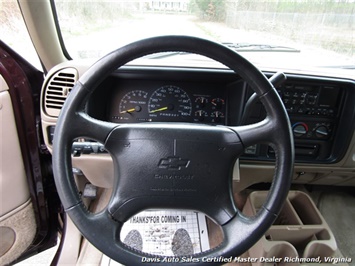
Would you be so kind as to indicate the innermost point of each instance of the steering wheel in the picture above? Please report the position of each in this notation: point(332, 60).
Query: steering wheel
point(198, 175)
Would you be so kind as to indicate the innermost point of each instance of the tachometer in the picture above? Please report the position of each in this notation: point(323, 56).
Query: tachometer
point(169, 101)
point(131, 104)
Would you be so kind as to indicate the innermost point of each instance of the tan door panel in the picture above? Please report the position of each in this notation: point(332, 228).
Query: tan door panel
point(17, 220)
point(13, 183)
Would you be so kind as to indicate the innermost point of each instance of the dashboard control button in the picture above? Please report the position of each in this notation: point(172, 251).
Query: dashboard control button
point(87, 149)
point(301, 110)
point(299, 129)
point(251, 150)
point(322, 132)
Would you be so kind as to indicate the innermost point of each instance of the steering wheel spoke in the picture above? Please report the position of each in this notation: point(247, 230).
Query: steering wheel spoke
point(109, 228)
point(87, 127)
point(243, 229)
point(263, 131)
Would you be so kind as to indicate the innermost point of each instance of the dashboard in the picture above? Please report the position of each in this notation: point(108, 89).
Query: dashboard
point(321, 111)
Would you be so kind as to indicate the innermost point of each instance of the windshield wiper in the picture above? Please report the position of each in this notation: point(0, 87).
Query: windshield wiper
point(350, 67)
point(243, 47)
point(255, 47)
point(163, 55)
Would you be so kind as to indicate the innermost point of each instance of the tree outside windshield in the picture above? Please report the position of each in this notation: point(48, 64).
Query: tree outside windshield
point(92, 29)
point(14, 33)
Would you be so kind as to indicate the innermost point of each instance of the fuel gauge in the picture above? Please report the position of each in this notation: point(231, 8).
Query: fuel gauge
point(217, 103)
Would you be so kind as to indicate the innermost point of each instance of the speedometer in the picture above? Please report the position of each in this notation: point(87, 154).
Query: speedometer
point(169, 101)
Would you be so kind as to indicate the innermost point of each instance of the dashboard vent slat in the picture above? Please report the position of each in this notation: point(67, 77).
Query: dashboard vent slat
point(57, 90)
point(67, 75)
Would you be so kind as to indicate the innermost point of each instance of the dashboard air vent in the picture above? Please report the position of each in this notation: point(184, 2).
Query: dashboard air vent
point(58, 89)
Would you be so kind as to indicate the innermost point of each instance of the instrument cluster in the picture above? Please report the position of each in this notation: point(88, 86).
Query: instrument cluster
point(168, 103)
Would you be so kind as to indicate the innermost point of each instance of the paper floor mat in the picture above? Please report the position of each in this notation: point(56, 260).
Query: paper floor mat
point(167, 233)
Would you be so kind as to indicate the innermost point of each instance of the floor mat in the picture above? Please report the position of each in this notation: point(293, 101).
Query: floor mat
point(338, 209)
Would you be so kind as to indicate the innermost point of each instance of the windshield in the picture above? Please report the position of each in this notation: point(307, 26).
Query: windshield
point(292, 32)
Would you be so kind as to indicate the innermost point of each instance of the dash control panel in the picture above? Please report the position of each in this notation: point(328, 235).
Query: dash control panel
point(314, 112)
point(310, 100)
point(312, 109)
point(312, 130)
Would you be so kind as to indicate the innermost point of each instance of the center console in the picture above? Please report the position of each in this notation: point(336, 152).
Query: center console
point(300, 235)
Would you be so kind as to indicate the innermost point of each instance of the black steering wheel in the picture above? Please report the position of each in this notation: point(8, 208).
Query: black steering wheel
point(202, 178)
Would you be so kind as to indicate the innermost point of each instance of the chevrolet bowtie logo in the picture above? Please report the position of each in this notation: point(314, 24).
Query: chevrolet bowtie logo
point(173, 163)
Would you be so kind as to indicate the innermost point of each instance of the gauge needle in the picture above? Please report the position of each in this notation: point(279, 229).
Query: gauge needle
point(135, 109)
point(128, 111)
point(160, 109)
